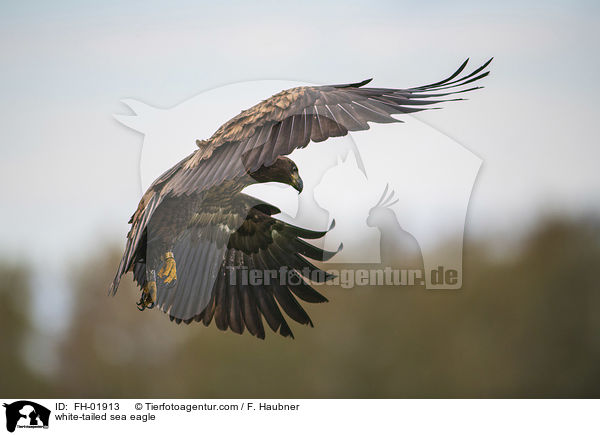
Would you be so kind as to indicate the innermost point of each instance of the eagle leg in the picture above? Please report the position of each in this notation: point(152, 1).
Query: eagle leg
point(148, 297)
point(169, 269)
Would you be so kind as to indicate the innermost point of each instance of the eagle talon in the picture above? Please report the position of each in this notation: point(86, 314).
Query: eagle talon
point(148, 297)
point(169, 269)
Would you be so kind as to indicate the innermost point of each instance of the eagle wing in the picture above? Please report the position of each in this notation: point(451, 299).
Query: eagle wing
point(294, 117)
point(237, 238)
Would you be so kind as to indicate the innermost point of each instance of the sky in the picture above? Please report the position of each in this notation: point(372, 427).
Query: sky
point(70, 171)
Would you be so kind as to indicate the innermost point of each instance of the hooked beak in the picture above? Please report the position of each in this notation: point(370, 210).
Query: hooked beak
point(297, 182)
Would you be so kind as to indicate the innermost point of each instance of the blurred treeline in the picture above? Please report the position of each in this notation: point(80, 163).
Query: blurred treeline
point(524, 325)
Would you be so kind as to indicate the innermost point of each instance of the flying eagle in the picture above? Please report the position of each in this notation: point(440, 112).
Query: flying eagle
point(195, 238)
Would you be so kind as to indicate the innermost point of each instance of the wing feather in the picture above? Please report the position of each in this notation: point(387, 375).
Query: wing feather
point(327, 111)
point(207, 252)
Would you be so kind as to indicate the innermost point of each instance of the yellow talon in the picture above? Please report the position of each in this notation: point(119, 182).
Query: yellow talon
point(148, 297)
point(169, 269)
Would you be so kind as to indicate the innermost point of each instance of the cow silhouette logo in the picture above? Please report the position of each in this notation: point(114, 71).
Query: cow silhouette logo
point(430, 176)
point(26, 414)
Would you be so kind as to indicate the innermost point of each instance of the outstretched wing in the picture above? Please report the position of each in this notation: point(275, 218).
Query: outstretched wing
point(294, 117)
point(238, 265)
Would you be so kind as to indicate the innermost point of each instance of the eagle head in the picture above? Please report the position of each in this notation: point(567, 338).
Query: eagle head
point(283, 170)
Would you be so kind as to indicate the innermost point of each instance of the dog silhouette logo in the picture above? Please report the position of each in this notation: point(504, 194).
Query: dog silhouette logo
point(26, 414)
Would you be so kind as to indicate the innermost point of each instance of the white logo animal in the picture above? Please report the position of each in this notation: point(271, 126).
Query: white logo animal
point(432, 177)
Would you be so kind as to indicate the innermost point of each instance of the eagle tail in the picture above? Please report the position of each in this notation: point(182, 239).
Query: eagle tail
point(136, 242)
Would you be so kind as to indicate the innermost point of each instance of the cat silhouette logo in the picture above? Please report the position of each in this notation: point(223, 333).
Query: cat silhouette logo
point(25, 414)
point(399, 193)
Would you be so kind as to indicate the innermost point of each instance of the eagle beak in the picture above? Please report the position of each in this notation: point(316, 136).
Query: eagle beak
point(297, 182)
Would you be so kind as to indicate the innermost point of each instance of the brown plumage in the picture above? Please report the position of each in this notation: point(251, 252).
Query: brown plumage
point(198, 203)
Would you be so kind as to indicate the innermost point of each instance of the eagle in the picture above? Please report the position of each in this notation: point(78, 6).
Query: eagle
point(201, 249)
